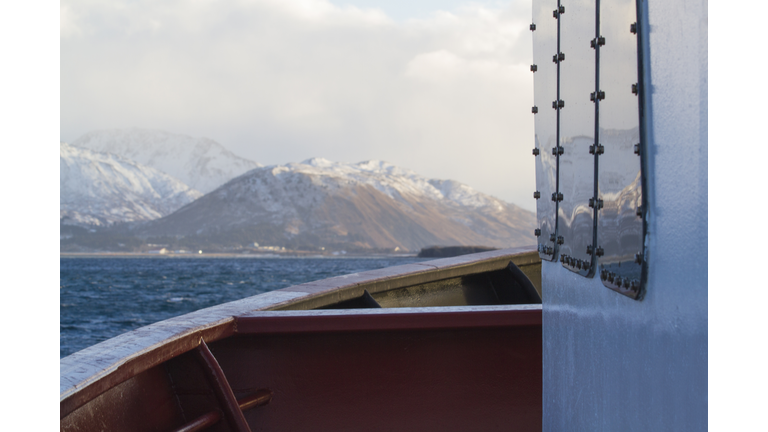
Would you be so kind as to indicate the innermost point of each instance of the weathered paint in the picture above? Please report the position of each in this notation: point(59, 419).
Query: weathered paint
point(611, 363)
point(116, 373)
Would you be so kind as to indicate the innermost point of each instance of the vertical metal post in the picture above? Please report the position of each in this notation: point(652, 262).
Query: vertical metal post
point(222, 389)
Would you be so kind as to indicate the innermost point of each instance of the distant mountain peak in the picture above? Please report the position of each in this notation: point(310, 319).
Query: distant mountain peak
point(372, 204)
point(317, 162)
point(201, 163)
point(97, 188)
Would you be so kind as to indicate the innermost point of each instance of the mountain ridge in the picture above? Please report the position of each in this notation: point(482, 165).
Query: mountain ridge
point(371, 204)
point(98, 189)
point(201, 163)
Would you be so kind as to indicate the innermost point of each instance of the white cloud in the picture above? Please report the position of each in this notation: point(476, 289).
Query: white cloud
point(279, 81)
point(67, 23)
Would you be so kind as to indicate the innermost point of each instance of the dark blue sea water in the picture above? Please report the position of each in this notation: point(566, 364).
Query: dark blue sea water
point(103, 297)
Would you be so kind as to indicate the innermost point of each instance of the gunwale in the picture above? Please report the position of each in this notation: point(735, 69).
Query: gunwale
point(88, 373)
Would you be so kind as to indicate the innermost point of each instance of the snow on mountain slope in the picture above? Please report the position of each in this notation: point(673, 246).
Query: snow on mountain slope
point(372, 204)
point(201, 163)
point(101, 188)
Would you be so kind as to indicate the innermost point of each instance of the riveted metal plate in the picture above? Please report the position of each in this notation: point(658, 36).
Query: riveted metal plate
point(544, 92)
point(620, 229)
point(577, 130)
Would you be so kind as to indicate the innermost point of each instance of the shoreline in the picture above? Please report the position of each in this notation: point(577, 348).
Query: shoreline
point(225, 255)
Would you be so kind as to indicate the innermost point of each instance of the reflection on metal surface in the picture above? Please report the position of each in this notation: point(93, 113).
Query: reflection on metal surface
point(545, 92)
point(620, 229)
point(576, 174)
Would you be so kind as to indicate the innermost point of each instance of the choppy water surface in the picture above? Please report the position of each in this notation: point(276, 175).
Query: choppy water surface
point(103, 297)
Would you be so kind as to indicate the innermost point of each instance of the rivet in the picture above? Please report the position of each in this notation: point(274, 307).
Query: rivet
point(634, 88)
point(611, 277)
point(601, 95)
point(633, 28)
point(599, 251)
point(552, 237)
point(560, 240)
point(537, 232)
point(537, 195)
point(561, 104)
point(592, 96)
point(634, 285)
point(638, 258)
point(596, 202)
point(557, 196)
point(601, 41)
point(599, 148)
point(589, 250)
point(562, 9)
point(603, 274)
point(533, 27)
point(639, 211)
point(637, 149)
point(550, 250)
point(534, 68)
point(625, 282)
point(554, 13)
point(563, 258)
point(535, 152)
point(534, 110)
point(558, 150)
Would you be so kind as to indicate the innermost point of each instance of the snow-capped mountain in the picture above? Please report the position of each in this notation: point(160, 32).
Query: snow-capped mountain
point(201, 163)
point(100, 188)
point(370, 204)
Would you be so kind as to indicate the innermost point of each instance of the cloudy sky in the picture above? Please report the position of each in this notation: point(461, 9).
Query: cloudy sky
point(440, 87)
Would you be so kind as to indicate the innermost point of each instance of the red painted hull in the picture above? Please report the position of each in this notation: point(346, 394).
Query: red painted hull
point(448, 368)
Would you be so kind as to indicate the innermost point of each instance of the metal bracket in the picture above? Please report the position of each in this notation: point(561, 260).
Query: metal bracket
point(575, 263)
point(599, 41)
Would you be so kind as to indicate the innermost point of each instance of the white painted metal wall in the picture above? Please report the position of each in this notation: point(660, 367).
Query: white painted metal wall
point(612, 363)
